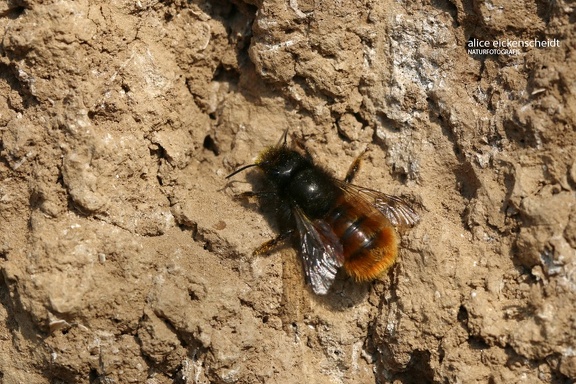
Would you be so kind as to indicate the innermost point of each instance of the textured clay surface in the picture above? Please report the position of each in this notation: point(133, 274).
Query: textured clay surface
point(126, 259)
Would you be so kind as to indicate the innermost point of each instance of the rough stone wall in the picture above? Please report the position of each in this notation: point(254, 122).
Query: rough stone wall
point(125, 258)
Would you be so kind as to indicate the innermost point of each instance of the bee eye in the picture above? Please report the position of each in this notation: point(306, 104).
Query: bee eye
point(281, 172)
point(280, 175)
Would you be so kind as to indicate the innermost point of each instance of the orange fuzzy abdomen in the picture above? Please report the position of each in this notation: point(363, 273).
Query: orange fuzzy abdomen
point(369, 242)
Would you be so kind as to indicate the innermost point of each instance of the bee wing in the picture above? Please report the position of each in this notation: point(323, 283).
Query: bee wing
point(321, 252)
point(396, 209)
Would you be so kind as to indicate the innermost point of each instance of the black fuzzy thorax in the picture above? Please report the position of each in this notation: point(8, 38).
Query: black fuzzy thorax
point(299, 182)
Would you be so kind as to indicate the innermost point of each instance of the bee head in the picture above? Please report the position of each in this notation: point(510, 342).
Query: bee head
point(280, 163)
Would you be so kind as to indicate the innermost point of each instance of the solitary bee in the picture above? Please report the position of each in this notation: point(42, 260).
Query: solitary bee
point(336, 223)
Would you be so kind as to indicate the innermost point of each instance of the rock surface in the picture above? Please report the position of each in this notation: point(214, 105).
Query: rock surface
point(125, 258)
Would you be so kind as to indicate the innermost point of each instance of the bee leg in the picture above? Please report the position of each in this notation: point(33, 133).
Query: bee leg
point(271, 244)
point(250, 194)
point(354, 167)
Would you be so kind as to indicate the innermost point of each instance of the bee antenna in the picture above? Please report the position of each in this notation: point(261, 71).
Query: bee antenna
point(283, 138)
point(240, 170)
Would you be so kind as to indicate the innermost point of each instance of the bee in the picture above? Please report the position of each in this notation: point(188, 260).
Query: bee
point(335, 223)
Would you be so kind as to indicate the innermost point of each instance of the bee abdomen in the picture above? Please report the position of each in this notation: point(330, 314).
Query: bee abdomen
point(368, 240)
